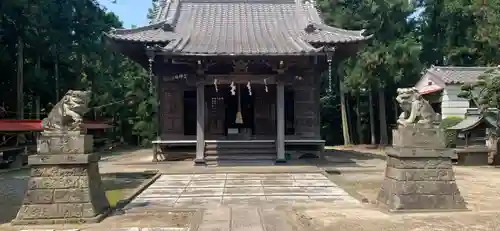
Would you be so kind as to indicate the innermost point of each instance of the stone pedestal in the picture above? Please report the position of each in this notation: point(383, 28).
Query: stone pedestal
point(65, 185)
point(419, 174)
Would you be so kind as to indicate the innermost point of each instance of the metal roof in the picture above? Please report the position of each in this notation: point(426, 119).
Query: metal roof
point(238, 27)
point(473, 117)
point(468, 123)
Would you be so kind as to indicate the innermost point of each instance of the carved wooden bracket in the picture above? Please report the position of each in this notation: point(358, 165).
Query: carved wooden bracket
point(240, 66)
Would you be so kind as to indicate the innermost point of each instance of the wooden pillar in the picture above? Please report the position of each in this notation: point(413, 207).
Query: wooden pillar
point(200, 123)
point(280, 122)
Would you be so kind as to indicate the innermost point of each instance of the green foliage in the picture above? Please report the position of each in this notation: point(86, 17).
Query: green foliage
point(460, 32)
point(389, 59)
point(69, 34)
point(485, 92)
point(450, 135)
point(392, 55)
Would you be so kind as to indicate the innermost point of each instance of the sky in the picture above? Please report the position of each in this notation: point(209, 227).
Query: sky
point(130, 12)
point(133, 12)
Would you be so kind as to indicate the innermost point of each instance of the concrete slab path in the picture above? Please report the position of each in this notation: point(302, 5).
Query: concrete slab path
point(228, 189)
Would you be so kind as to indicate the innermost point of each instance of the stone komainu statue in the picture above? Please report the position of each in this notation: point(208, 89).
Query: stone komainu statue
point(68, 113)
point(416, 110)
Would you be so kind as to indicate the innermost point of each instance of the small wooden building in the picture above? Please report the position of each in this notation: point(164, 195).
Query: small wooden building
point(440, 85)
point(477, 137)
point(238, 76)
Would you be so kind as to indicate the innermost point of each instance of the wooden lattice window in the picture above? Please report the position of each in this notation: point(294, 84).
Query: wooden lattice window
point(190, 113)
point(289, 112)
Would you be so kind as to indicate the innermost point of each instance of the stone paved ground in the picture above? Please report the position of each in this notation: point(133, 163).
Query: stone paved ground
point(213, 190)
point(360, 178)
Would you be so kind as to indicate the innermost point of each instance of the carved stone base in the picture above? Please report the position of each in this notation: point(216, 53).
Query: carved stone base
point(63, 188)
point(65, 192)
point(64, 143)
point(419, 178)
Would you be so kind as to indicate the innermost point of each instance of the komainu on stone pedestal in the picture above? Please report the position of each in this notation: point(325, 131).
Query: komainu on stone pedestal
point(419, 174)
point(67, 114)
point(416, 110)
point(65, 185)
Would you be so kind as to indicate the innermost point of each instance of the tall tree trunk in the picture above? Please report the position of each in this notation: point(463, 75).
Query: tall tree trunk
point(359, 129)
point(382, 117)
point(350, 120)
point(36, 97)
point(20, 78)
point(372, 118)
point(37, 107)
point(80, 76)
point(345, 122)
point(56, 77)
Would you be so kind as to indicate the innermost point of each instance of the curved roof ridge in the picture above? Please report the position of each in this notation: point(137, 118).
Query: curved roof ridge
point(240, 1)
point(331, 29)
point(312, 8)
point(154, 26)
point(157, 11)
point(216, 27)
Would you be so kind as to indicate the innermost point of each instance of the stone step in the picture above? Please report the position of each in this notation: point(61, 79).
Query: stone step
point(234, 151)
point(228, 163)
point(240, 157)
point(238, 145)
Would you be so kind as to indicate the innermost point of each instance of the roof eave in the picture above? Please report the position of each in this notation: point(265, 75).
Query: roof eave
point(333, 43)
point(142, 28)
point(190, 54)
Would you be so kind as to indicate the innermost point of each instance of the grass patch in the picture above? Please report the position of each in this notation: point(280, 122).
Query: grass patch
point(114, 196)
point(118, 186)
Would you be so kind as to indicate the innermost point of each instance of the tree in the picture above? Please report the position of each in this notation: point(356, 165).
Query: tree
point(391, 57)
point(63, 49)
point(485, 92)
point(460, 32)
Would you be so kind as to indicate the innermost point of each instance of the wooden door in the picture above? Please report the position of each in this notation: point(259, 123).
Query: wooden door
point(172, 110)
point(265, 110)
point(216, 111)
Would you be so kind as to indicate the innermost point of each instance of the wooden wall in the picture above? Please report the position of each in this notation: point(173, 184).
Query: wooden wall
point(306, 109)
point(451, 104)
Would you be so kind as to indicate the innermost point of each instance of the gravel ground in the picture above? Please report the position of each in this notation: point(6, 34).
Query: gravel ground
point(12, 187)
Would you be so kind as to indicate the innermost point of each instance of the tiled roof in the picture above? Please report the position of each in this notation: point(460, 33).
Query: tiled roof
point(157, 32)
point(456, 75)
point(238, 27)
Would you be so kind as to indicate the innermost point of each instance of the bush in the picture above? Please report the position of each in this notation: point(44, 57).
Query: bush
point(451, 135)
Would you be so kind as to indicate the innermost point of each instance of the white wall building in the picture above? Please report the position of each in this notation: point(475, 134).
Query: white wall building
point(442, 85)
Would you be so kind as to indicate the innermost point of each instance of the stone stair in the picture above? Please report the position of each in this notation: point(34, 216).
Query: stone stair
point(240, 153)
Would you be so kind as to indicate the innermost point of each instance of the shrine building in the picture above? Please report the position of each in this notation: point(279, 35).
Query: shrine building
point(238, 79)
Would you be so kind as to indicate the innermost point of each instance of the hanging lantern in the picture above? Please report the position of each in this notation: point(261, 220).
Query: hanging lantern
point(233, 88)
point(265, 85)
point(249, 88)
point(215, 84)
